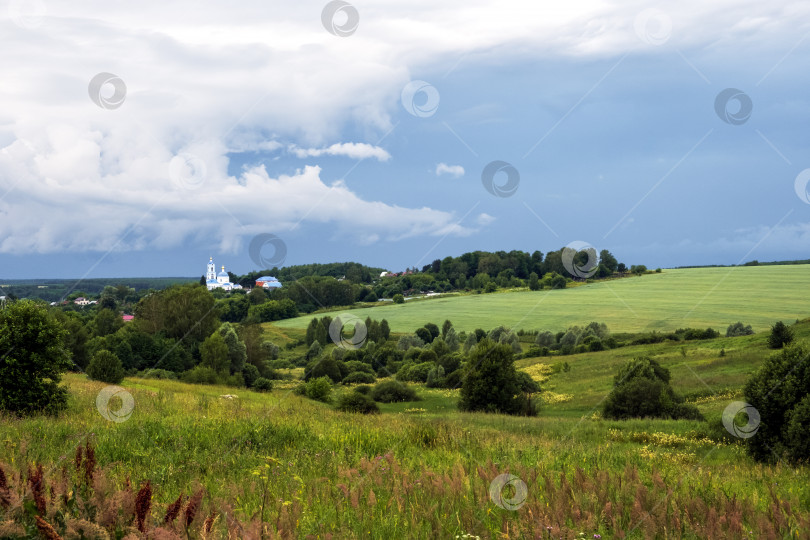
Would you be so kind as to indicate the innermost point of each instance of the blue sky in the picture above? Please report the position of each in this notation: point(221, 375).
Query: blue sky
point(258, 120)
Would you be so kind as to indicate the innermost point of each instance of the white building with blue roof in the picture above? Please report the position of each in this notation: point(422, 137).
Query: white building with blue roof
point(218, 281)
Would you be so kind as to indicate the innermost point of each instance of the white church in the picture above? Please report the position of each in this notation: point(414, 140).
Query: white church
point(218, 281)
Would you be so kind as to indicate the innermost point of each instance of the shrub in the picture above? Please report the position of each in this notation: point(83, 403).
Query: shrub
point(393, 391)
point(779, 392)
point(641, 389)
point(201, 375)
point(106, 367)
point(33, 359)
point(249, 374)
point(492, 384)
point(262, 385)
point(360, 377)
point(739, 329)
point(326, 366)
point(319, 389)
point(363, 389)
point(157, 374)
point(399, 299)
point(356, 365)
point(781, 335)
point(357, 403)
point(415, 372)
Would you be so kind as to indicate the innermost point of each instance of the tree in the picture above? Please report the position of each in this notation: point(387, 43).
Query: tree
point(446, 326)
point(385, 330)
point(106, 322)
point(739, 329)
point(608, 260)
point(780, 392)
point(237, 351)
point(33, 357)
point(492, 383)
point(182, 312)
point(424, 334)
point(214, 353)
point(106, 367)
point(641, 389)
point(76, 336)
point(433, 329)
point(781, 335)
point(534, 282)
point(621, 268)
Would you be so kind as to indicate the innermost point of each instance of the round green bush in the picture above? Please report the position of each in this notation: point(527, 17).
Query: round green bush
point(106, 367)
point(357, 403)
point(262, 385)
point(359, 377)
point(399, 299)
point(393, 391)
point(363, 389)
point(249, 374)
point(319, 389)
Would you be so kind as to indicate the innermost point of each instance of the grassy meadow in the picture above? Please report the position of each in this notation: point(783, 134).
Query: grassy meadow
point(423, 469)
point(694, 297)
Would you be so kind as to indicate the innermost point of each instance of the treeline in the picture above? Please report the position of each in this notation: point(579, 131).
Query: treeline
point(352, 271)
point(56, 290)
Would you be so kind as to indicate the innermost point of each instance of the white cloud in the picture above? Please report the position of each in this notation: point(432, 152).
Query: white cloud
point(352, 150)
point(455, 171)
point(207, 79)
point(484, 219)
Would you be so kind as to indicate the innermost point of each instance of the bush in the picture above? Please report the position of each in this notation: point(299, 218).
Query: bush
point(357, 403)
point(262, 385)
point(249, 374)
point(325, 366)
point(33, 359)
point(415, 372)
point(393, 392)
point(363, 389)
point(780, 392)
point(739, 329)
point(399, 299)
point(357, 365)
point(781, 335)
point(201, 375)
point(319, 389)
point(157, 374)
point(493, 384)
point(641, 390)
point(105, 367)
point(360, 377)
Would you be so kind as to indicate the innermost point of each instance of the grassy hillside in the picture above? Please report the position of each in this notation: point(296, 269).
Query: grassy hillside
point(699, 298)
point(423, 469)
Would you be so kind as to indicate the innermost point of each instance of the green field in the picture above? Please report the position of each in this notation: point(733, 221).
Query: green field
point(697, 298)
point(423, 469)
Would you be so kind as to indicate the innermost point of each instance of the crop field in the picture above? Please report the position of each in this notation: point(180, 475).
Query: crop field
point(695, 297)
point(423, 469)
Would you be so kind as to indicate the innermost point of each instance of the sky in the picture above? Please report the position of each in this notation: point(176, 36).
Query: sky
point(140, 139)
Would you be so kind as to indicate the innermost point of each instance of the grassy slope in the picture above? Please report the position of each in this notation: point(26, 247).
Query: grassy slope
point(181, 434)
point(699, 298)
